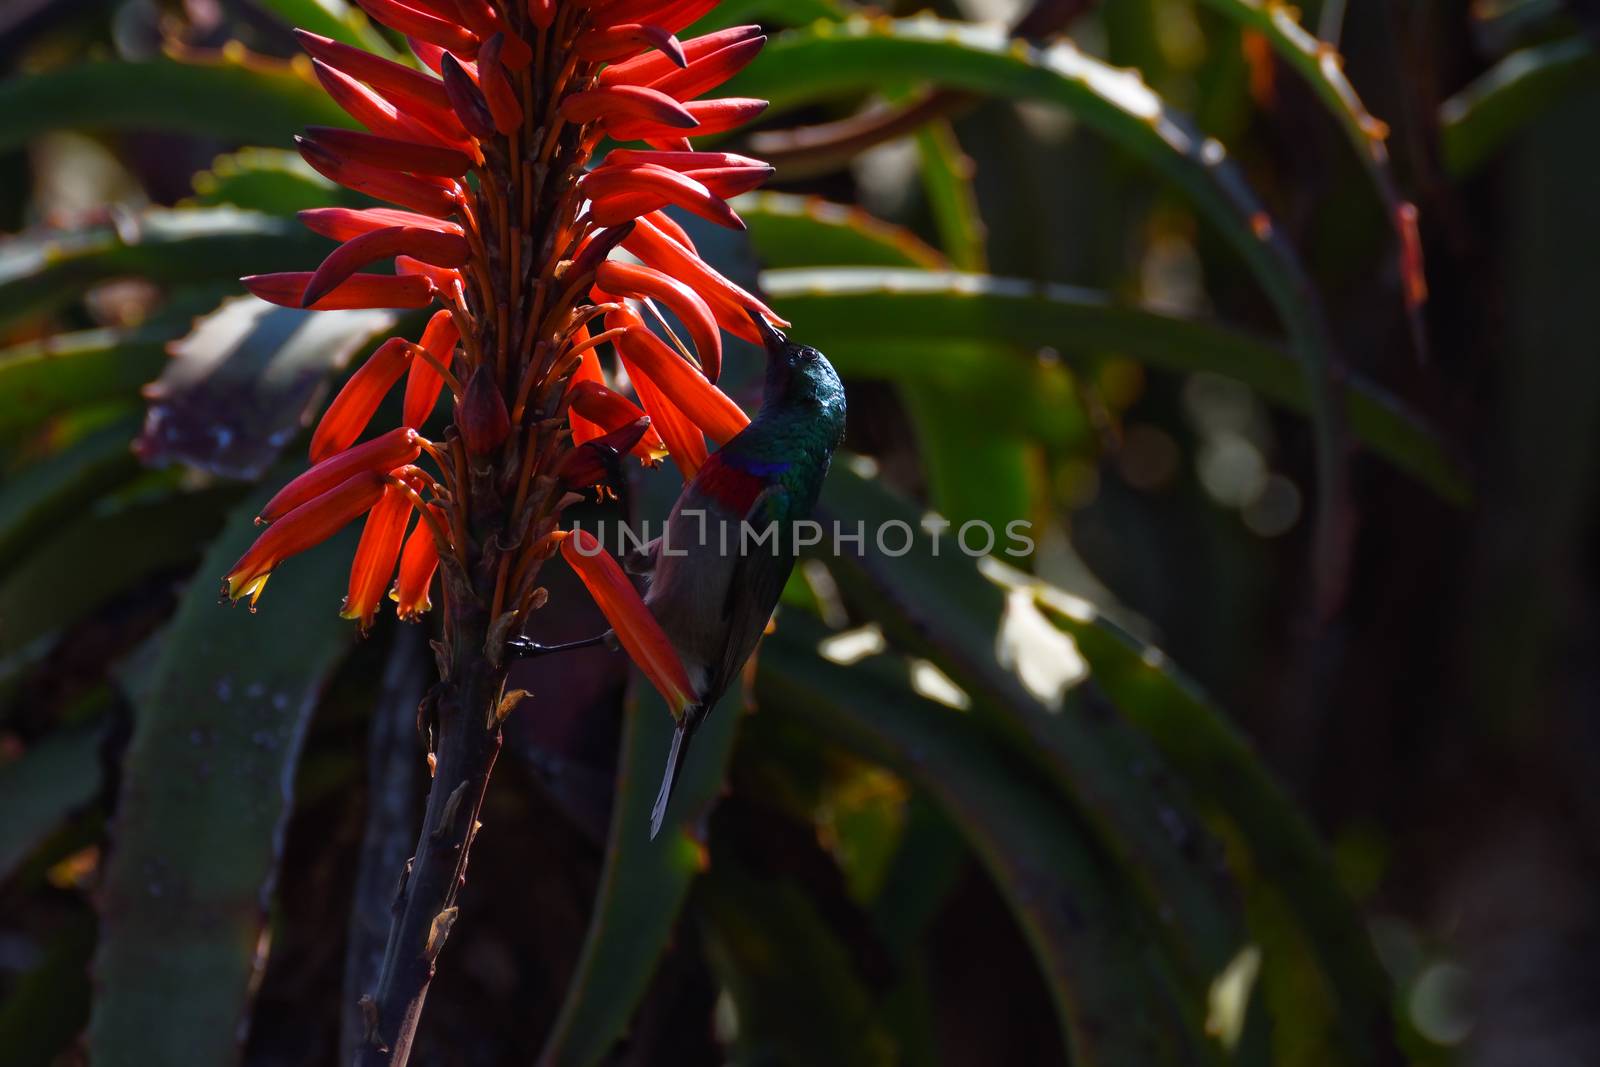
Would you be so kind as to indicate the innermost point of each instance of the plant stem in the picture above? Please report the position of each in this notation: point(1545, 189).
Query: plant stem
point(425, 907)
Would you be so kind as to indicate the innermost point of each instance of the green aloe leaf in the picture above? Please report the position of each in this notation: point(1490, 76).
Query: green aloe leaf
point(1025, 685)
point(769, 13)
point(1114, 1004)
point(76, 371)
point(219, 715)
point(239, 100)
point(111, 550)
point(42, 271)
point(807, 231)
point(892, 323)
point(44, 785)
point(1320, 64)
point(1479, 119)
point(794, 985)
point(270, 180)
point(331, 18)
point(46, 495)
point(802, 67)
point(644, 883)
point(1279, 859)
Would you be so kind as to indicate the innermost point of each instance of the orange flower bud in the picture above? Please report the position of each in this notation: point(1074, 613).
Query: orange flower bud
point(426, 245)
point(612, 411)
point(379, 455)
point(307, 525)
point(481, 414)
point(620, 194)
point(390, 153)
point(637, 630)
point(595, 461)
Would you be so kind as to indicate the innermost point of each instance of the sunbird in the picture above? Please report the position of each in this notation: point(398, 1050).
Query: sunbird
point(717, 572)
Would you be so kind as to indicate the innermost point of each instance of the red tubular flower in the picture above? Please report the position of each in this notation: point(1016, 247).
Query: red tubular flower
point(636, 629)
point(631, 279)
point(345, 224)
point(418, 562)
point(426, 245)
point(381, 455)
point(649, 67)
point(424, 383)
point(357, 291)
point(407, 190)
point(358, 401)
point(379, 550)
point(307, 526)
point(389, 152)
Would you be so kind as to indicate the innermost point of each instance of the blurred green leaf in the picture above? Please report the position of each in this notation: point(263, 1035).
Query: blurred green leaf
point(76, 371)
point(1025, 685)
point(52, 779)
point(873, 317)
point(111, 550)
point(1320, 64)
point(270, 180)
point(793, 984)
point(251, 101)
point(41, 271)
point(802, 67)
point(45, 1007)
point(45, 495)
point(200, 821)
point(1479, 119)
point(644, 882)
point(769, 13)
point(239, 387)
point(331, 18)
point(1295, 905)
point(1112, 998)
point(807, 231)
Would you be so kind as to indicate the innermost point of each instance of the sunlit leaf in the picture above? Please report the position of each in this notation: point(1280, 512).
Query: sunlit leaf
point(270, 180)
point(1023, 681)
point(803, 67)
point(239, 387)
point(1476, 121)
point(41, 271)
point(877, 321)
point(1112, 1000)
point(1276, 854)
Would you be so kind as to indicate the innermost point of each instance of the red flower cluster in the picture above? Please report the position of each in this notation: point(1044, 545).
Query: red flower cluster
point(502, 218)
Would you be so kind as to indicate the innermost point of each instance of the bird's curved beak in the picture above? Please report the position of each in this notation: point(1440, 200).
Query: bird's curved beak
point(770, 337)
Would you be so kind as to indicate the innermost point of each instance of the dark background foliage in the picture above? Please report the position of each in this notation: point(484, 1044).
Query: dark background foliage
point(878, 882)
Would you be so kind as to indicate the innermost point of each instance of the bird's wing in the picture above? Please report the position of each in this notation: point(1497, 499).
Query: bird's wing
point(755, 585)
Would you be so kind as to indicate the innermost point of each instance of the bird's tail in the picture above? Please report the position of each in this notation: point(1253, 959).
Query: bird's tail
point(675, 757)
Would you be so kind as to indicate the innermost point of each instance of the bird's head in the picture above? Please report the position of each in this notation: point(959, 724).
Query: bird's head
point(797, 375)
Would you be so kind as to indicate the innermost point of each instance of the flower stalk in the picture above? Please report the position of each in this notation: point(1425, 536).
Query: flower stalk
point(536, 255)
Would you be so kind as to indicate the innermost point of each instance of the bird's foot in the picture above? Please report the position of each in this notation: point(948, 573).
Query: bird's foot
point(524, 648)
